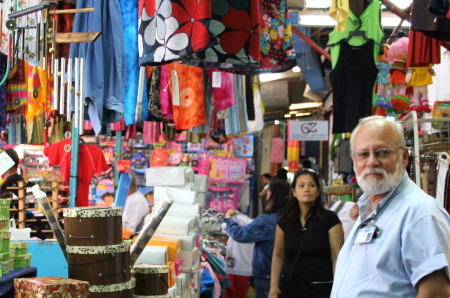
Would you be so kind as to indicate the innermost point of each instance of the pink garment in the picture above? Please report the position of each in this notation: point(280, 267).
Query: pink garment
point(131, 132)
point(152, 130)
point(223, 94)
point(164, 94)
point(118, 126)
point(87, 125)
point(217, 287)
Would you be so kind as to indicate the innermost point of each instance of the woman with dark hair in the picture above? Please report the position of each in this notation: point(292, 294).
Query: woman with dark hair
point(307, 242)
point(261, 231)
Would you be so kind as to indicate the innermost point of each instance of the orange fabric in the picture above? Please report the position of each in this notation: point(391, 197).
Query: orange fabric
point(126, 234)
point(191, 111)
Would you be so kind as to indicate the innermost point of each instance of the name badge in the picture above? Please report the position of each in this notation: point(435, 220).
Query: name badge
point(365, 235)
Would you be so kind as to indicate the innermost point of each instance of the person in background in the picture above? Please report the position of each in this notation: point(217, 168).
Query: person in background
point(400, 245)
point(281, 174)
point(265, 179)
point(11, 177)
point(307, 242)
point(238, 261)
point(150, 200)
point(306, 164)
point(348, 213)
point(261, 231)
point(135, 210)
point(107, 200)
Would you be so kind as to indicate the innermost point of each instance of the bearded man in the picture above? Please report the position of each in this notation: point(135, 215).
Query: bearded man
point(400, 243)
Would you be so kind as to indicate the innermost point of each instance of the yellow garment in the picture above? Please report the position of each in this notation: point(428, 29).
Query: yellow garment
point(339, 10)
point(38, 103)
point(421, 76)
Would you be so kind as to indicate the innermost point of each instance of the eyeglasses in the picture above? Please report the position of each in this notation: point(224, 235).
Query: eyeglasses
point(379, 154)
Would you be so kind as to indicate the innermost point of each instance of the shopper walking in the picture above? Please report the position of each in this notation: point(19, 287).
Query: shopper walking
point(307, 241)
point(400, 245)
point(261, 231)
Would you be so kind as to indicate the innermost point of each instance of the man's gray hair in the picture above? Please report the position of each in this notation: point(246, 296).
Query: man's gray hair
point(380, 119)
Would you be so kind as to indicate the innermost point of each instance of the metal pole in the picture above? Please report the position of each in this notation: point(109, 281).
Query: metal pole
point(117, 156)
point(74, 166)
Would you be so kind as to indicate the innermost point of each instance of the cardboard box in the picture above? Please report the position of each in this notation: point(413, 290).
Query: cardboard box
point(153, 255)
point(172, 275)
point(54, 287)
point(188, 242)
point(173, 244)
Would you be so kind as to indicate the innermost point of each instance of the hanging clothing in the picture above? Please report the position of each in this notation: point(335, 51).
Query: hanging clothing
point(422, 20)
point(276, 49)
point(171, 30)
point(440, 89)
point(352, 80)
point(164, 93)
point(190, 111)
point(38, 101)
point(90, 161)
point(340, 11)
point(369, 22)
point(129, 12)
point(235, 26)
point(204, 129)
point(422, 50)
point(16, 90)
point(3, 63)
point(222, 88)
point(105, 61)
point(154, 97)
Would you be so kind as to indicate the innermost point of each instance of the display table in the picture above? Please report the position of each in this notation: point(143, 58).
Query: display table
point(7, 281)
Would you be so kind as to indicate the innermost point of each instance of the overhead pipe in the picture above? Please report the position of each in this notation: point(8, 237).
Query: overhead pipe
point(309, 41)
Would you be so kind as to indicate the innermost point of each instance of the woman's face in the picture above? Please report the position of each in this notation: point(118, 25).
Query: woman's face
point(306, 190)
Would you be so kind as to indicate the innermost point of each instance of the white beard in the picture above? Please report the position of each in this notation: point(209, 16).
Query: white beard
point(374, 186)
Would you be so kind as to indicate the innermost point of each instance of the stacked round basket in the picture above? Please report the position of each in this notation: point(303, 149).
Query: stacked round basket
point(96, 252)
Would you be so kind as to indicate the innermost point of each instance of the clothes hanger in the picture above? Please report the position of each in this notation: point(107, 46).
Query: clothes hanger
point(354, 33)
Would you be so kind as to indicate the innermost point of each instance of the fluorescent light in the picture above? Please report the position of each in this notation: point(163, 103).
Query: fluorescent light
point(293, 112)
point(277, 122)
point(266, 77)
point(303, 114)
point(296, 69)
point(305, 105)
point(287, 116)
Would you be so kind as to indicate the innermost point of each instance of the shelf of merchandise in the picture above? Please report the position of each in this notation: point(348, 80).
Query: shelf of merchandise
point(25, 198)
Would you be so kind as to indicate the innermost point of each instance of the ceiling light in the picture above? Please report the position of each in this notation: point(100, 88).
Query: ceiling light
point(266, 77)
point(287, 116)
point(305, 105)
point(296, 69)
point(303, 114)
point(277, 122)
point(293, 112)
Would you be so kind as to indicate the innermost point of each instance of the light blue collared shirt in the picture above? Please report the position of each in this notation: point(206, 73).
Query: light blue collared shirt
point(414, 242)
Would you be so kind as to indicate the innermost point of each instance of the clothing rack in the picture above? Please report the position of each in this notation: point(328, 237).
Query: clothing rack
point(426, 137)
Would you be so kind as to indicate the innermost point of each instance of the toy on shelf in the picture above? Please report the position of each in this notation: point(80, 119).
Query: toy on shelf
point(397, 73)
point(420, 78)
point(381, 101)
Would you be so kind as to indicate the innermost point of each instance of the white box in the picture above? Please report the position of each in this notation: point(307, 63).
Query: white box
point(201, 183)
point(168, 176)
point(182, 196)
point(189, 259)
point(176, 226)
point(184, 210)
point(153, 255)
